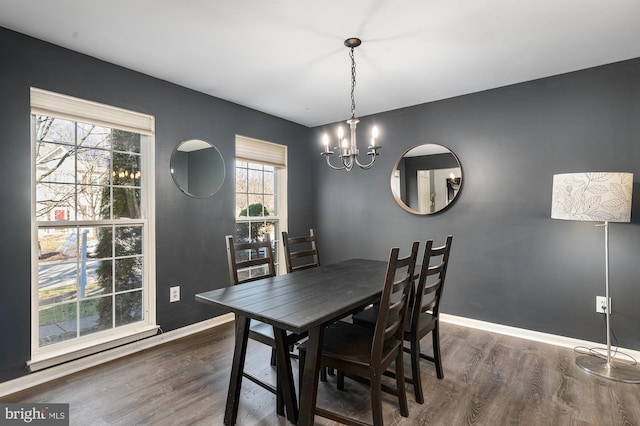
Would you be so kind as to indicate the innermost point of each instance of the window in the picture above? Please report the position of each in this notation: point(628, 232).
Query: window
point(93, 260)
point(260, 195)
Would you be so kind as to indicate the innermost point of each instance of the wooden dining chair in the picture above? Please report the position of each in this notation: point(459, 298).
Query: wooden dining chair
point(365, 352)
point(301, 252)
point(425, 313)
point(249, 262)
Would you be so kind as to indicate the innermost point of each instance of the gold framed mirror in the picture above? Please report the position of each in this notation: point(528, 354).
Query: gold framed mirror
point(426, 179)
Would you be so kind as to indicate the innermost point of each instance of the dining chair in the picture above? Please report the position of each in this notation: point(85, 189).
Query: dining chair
point(301, 252)
point(250, 261)
point(365, 352)
point(425, 313)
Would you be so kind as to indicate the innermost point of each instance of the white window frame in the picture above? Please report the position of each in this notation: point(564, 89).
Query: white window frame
point(272, 154)
point(61, 106)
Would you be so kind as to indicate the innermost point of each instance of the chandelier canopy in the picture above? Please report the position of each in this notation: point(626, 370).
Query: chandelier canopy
point(348, 149)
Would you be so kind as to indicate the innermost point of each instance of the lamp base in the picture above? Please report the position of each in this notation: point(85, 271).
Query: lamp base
point(616, 370)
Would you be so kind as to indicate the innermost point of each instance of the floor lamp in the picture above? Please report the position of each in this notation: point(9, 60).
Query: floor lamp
point(597, 197)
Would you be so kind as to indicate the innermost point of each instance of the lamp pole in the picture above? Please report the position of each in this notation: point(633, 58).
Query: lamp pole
point(608, 368)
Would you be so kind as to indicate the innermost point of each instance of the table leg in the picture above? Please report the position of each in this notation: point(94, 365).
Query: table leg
point(285, 376)
point(235, 382)
point(309, 385)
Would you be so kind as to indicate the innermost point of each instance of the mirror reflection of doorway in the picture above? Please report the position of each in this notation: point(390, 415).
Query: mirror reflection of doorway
point(425, 191)
point(434, 190)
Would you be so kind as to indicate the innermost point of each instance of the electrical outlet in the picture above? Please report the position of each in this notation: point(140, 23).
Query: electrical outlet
point(174, 294)
point(602, 305)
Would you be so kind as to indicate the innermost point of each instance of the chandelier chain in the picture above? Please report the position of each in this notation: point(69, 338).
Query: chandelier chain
point(353, 83)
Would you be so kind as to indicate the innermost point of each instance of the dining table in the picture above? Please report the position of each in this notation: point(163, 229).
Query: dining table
point(302, 302)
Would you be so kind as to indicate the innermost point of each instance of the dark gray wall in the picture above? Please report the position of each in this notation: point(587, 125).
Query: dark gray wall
point(180, 169)
point(190, 248)
point(511, 264)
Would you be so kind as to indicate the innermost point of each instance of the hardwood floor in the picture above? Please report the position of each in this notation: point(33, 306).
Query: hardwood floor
point(490, 379)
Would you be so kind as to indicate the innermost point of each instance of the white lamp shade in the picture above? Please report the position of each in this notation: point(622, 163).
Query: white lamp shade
point(592, 196)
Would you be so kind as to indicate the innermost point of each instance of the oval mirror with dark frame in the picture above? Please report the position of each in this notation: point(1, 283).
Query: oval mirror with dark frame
point(426, 179)
point(197, 168)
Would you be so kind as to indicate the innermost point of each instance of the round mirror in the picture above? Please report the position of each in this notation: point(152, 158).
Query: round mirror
point(426, 179)
point(197, 168)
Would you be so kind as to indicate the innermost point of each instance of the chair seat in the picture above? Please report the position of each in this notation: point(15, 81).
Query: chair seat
point(426, 323)
point(350, 343)
point(367, 318)
point(263, 333)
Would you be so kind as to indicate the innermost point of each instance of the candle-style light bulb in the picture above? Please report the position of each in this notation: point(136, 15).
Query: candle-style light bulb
point(374, 135)
point(325, 141)
point(340, 133)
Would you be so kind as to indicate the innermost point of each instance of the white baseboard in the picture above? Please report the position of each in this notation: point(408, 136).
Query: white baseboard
point(536, 336)
point(56, 372)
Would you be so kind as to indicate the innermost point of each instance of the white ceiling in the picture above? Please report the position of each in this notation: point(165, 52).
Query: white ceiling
point(287, 58)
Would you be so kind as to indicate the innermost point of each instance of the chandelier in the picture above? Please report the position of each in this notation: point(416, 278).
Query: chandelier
point(348, 149)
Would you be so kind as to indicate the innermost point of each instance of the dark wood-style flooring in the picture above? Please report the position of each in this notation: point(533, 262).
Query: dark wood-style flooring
point(490, 379)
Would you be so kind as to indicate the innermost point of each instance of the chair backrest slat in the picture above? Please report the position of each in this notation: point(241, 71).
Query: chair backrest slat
point(394, 300)
point(263, 257)
point(431, 282)
point(304, 247)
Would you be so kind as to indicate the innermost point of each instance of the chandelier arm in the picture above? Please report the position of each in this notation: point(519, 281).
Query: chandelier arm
point(331, 165)
point(347, 161)
point(370, 163)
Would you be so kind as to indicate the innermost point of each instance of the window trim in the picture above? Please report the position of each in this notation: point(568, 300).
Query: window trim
point(87, 111)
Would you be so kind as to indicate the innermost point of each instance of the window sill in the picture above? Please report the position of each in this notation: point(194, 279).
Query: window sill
point(49, 357)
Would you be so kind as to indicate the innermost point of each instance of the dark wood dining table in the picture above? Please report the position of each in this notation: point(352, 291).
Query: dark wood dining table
point(302, 302)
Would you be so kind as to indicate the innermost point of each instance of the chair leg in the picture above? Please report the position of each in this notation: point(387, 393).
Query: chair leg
point(436, 351)
point(376, 399)
point(301, 356)
point(273, 357)
point(402, 394)
point(323, 374)
point(415, 370)
point(340, 380)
